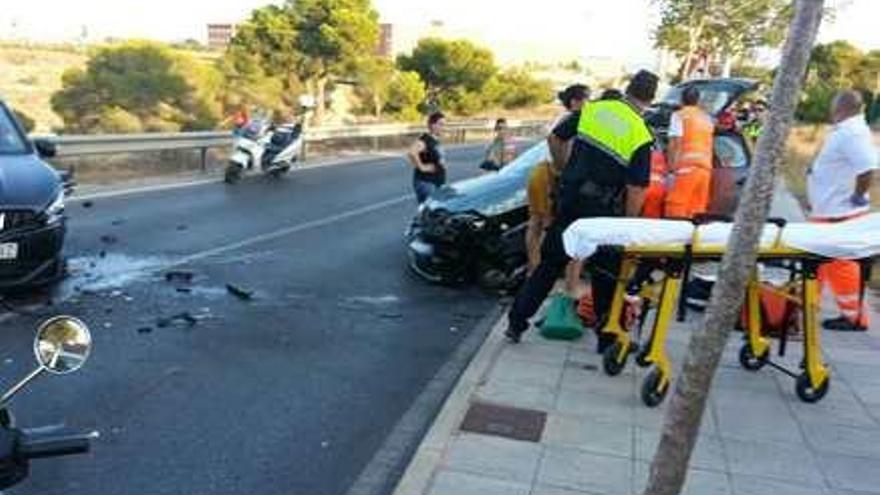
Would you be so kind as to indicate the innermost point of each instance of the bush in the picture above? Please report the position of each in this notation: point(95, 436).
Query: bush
point(115, 120)
point(516, 88)
point(406, 93)
point(146, 81)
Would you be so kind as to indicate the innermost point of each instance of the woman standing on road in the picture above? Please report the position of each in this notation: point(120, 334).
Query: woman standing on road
point(426, 157)
point(501, 150)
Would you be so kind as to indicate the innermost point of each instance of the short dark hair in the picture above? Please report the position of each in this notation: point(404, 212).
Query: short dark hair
point(500, 121)
point(573, 92)
point(435, 117)
point(643, 86)
point(611, 94)
point(690, 96)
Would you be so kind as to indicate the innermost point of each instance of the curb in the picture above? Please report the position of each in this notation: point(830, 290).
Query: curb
point(419, 473)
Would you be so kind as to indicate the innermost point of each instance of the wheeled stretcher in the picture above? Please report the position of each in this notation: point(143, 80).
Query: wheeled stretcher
point(673, 245)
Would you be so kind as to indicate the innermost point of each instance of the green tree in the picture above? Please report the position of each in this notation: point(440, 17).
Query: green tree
point(375, 76)
point(719, 29)
point(245, 84)
point(405, 94)
point(450, 68)
point(330, 36)
point(266, 45)
point(516, 88)
point(163, 90)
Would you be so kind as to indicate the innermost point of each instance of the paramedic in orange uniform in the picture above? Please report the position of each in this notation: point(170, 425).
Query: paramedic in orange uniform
point(655, 195)
point(691, 132)
point(838, 184)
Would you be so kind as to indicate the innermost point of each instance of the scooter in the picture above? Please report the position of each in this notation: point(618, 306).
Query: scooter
point(274, 149)
point(62, 346)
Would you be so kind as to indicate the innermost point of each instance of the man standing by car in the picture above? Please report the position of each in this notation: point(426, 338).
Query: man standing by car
point(691, 135)
point(426, 157)
point(838, 186)
point(606, 175)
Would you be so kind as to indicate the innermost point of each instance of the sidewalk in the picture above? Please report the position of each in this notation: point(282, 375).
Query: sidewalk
point(590, 433)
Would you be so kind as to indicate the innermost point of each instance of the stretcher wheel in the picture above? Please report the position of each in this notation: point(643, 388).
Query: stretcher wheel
point(642, 357)
point(653, 392)
point(807, 393)
point(610, 364)
point(749, 361)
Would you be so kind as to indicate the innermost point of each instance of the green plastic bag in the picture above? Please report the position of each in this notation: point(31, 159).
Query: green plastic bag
point(561, 321)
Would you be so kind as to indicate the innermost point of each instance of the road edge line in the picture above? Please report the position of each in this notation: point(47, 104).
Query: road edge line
point(408, 457)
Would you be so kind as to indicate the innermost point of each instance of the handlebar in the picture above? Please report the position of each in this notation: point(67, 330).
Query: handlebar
point(31, 446)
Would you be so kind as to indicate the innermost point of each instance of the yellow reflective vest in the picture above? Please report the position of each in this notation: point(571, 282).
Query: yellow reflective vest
point(614, 126)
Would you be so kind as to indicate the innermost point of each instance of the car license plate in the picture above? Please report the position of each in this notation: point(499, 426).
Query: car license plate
point(8, 251)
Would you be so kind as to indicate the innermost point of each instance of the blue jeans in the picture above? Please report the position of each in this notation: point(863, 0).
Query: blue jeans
point(423, 189)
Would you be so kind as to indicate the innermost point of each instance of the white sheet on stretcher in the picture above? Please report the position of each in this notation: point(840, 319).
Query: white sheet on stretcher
point(853, 239)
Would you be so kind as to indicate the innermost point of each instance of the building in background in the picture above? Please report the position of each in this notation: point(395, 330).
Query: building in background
point(220, 35)
point(386, 41)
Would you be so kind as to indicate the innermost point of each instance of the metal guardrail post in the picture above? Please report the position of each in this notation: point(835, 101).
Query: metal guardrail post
point(203, 151)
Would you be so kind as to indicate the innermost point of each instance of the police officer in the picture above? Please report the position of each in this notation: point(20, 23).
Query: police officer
point(606, 175)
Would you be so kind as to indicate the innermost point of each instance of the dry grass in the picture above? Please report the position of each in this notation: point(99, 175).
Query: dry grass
point(29, 77)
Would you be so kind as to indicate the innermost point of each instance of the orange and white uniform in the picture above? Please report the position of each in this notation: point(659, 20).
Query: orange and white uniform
point(655, 195)
point(847, 153)
point(689, 194)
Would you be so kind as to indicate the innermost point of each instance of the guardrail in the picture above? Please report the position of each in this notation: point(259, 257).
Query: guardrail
point(79, 145)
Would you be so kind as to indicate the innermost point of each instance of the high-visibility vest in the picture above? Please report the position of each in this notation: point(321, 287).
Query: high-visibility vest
point(614, 126)
point(697, 139)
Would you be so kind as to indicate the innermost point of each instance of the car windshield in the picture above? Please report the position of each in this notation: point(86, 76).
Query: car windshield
point(11, 140)
point(712, 99)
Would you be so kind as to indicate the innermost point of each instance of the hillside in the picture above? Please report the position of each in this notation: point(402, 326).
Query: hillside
point(29, 76)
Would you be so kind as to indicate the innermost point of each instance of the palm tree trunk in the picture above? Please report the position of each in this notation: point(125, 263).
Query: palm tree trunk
point(688, 401)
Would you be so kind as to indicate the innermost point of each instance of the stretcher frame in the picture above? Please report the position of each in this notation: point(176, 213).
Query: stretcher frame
point(811, 384)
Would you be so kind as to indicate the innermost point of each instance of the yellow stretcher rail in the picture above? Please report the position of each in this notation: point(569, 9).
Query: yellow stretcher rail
point(811, 384)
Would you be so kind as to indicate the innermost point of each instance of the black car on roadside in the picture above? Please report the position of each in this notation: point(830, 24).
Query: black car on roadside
point(474, 230)
point(32, 219)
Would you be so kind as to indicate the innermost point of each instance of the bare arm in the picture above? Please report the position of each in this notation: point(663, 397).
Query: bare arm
point(863, 183)
point(672, 150)
point(574, 284)
point(535, 237)
point(415, 150)
point(635, 200)
point(560, 150)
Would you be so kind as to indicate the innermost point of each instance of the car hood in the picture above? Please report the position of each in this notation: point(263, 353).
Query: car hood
point(725, 92)
point(27, 183)
point(493, 193)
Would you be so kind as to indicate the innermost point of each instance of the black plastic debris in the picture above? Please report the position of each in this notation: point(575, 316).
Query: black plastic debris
point(181, 228)
point(239, 292)
point(109, 239)
point(181, 319)
point(118, 221)
point(102, 254)
point(145, 330)
point(88, 204)
point(184, 290)
point(390, 316)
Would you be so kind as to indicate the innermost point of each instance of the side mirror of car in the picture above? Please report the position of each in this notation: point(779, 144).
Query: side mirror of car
point(45, 148)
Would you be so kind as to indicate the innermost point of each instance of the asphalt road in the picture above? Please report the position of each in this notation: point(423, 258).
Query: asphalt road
point(289, 393)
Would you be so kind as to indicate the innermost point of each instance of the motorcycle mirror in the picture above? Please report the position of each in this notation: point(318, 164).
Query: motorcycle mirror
point(62, 345)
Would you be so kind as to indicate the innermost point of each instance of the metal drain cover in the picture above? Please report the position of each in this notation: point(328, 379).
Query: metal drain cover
point(502, 421)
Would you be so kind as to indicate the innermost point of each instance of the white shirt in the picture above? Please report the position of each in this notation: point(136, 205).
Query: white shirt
point(676, 126)
point(848, 152)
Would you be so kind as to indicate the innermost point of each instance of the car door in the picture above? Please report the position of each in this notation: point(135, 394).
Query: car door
point(732, 160)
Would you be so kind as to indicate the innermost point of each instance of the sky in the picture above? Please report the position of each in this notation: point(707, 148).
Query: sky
point(554, 29)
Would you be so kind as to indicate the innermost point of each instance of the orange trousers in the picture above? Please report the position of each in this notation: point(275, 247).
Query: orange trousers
point(655, 196)
point(689, 194)
point(844, 278)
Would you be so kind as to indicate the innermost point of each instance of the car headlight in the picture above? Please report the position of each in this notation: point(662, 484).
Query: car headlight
point(55, 210)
